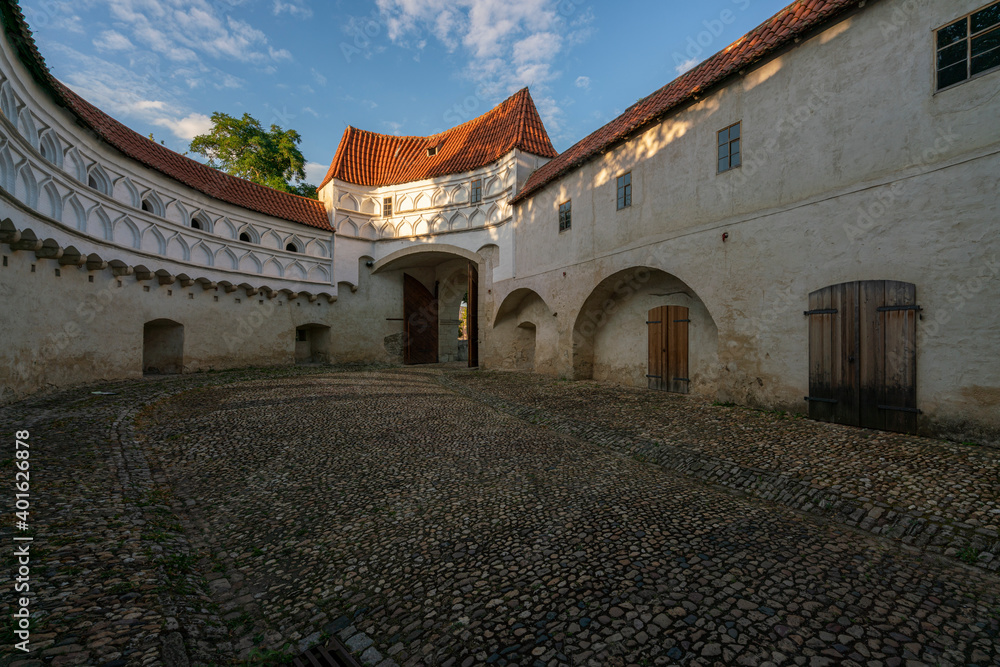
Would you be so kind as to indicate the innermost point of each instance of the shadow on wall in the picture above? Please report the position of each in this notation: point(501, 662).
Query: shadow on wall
point(312, 344)
point(525, 333)
point(162, 348)
point(611, 334)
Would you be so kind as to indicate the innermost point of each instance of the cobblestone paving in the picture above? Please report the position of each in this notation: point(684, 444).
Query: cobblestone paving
point(944, 497)
point(425, 528)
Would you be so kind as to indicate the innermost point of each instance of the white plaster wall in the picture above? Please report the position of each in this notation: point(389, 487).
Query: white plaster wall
point(853, 170)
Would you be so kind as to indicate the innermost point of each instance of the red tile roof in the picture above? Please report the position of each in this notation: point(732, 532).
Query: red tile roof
point(371, 159)
point(212, 182)
point(774, 34)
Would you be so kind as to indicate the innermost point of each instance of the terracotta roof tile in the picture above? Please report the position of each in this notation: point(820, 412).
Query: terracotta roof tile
point(371, 159)
point(780, 30)
point(212, 182)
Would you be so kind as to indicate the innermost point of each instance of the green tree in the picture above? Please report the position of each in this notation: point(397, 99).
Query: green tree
point(242, 147)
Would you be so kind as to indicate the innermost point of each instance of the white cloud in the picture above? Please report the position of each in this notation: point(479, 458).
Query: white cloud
point(509, 44)
point(184, 30)
point(112, 40)
point(583, 82)
point(294, 8)
point(316, 172)
point(320, 79)
point(187, 128)
point(687, 65)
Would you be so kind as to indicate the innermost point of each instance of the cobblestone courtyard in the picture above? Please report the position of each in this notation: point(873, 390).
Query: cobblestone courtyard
point(435, 517)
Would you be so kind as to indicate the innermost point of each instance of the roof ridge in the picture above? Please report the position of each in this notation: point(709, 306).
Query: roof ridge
point(745, 51)
point(185, 170)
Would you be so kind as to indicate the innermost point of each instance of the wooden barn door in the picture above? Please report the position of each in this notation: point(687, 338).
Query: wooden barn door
point(420, 317)
point(472, 315)
point(863, 355)
point(668, 349)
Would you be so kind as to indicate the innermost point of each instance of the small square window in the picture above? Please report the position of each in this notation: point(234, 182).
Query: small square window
point(625, 191)
point(387, 207)
point(565, 216)
point(730, 155)
point(432, 151)
point(968, 47)
point(477, 191)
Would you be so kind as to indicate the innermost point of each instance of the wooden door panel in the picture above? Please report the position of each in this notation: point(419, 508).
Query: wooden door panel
point(677, 325)
point(420, 315)
point(872, 354)
point(822, 322)
point(898, 401)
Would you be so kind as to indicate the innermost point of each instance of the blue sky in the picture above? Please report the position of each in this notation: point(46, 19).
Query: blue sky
point(411, 67)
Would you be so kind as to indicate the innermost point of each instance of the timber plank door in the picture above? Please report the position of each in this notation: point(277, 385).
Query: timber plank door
point(420, 318)
point(472, 315)
point(668, 349)
point(863, 355)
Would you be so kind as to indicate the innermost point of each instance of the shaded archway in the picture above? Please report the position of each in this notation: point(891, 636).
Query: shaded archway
point(611, 330)
point(525, 337)
point(312, 344)
point(162, 347)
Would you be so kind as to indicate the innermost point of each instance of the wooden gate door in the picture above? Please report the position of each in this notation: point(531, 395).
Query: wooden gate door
point(420, 317)
point(668, 349)
point(472, 315)
point(863, 355)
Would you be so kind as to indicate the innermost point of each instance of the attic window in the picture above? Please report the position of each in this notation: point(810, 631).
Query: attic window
point(291, 247)
point(245, 238)
point(432, 151)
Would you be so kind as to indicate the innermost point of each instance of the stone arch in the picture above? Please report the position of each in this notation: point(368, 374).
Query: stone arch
point(349, 202)
point(295, 271)
point(250, 264)
point(318, 274)
point(125, 231)
point(50, 202)
point(27, 127)
point(460, 194)
point(316, 248)
point(162, 347)
point(153, 241)
point(74, 165)
point(493, 187)
point(270, 239)
point(202, 221)
point(152, 203)
point(8, 102)
point(200, 254)
point(227, 229)
point(251, 233)
point(421, 228)
point(273, 268)
point(177, 248)
point(27, 186)
point(78, 212)
point(51, 148)
point(8, 172)
point(294, 244)
point(495, 215)
point(610, 334)
point(442, 249)
point(98, 179)
point(227, 259)
point(126, 191)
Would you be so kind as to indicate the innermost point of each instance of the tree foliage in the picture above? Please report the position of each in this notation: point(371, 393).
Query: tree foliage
point(242, 147)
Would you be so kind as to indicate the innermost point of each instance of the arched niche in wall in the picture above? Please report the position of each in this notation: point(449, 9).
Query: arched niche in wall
point(153, 204)
point(8, 103)
point(202, 222)
point(51, 148)
point(98, 179)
